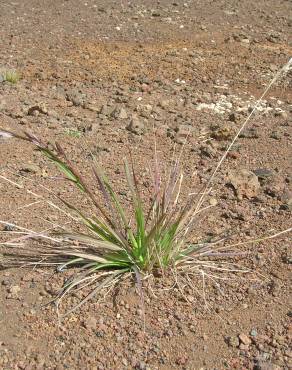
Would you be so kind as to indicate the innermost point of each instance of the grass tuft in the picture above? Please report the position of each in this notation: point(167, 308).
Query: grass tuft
point(153, 240)
point(141, 241)
point(73, 133)
point(10, 75)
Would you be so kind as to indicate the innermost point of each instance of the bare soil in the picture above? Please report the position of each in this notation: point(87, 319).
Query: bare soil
point(90, 68)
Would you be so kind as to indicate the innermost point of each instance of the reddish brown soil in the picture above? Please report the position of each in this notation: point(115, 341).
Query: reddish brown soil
point(157, 60)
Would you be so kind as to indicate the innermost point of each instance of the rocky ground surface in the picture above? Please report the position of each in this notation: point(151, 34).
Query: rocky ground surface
point(104, 75)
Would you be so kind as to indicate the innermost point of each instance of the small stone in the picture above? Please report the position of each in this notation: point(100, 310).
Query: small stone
point(253, 332)
point(93, 108)
point(233, 117)
point(213, 202)
point(164, 104)
point(245, 183)
point(276, 187)
point(244, 339)
point(281, 113)
point(136, 126)
point(37, 109)
point(5, 136)
point(233, 154)
point(30, 167)
point(224, 132)
point(273, 67)
point(144, 110)
point(233, 342)
point(244, 347)
point(250, 133)
point(23, 121)
point(274, 37)
point(181, 360)
point(8, 227)
point(5, 282)
point(15, 289)
point(155, 13)
point(75, 97)
point(275, 135)
point(207, 150)
point(287, 200)
point(107, 110)
point(90, 323)
point(40, 75)
point(119, 113)
point(274, 288)
point(263, 173)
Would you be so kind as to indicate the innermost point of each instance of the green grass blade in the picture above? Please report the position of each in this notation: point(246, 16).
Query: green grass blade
point(138, 209)
point(63, 167)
